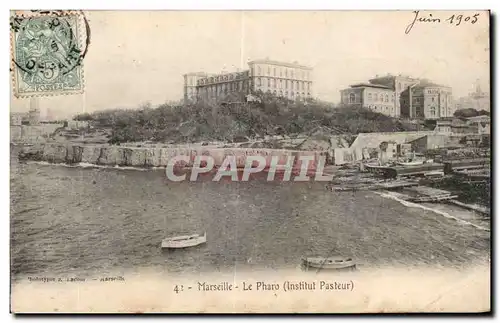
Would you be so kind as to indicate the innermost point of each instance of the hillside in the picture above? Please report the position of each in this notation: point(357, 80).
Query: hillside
point(237, 122)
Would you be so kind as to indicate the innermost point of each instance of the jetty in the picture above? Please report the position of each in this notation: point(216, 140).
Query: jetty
point(428, 194)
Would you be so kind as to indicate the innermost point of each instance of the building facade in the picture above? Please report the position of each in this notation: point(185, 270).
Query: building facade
point(378, 98)
point(429, 101)
point(288, 80)
point(220, 86)
point(16, 119)
point(190, 84)
point(401, 96)
point(400, 85)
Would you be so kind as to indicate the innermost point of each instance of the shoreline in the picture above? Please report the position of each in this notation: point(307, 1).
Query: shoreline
point(148, 157)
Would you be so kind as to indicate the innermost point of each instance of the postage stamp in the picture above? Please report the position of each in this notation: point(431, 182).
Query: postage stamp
point(47, 50)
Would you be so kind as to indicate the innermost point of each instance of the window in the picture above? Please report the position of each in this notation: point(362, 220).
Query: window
point(386, 98)
point(264, 82)
point(258, 70)
point(281, 72)
point(268, 71)
point(369, 96)
point(291, 73)
point(287, 84)
point(302, 86)
point(392, 98)
point(286, 73)
point(375, 97)
point(352, 98)
point(432, 99)
point(286, 93)
point(274, 71)
point(258, 82)
point(281, 93)
point(281, 84)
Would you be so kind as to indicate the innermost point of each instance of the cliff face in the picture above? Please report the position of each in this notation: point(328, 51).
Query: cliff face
point(149, 156)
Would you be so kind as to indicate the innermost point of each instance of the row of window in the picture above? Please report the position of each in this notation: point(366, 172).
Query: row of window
point(382, 109)
point(286, 84)
point(376, 97)
point(281, 72)
point(285, 94)
point(233, 86)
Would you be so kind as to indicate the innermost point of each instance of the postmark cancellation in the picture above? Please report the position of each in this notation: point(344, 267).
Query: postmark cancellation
point(47, 50)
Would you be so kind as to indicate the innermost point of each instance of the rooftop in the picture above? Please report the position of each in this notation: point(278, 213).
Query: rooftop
point(272, 62)
point(426, 83)
point(378, 86)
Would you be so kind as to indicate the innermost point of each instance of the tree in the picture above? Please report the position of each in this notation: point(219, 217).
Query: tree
point(83, 117)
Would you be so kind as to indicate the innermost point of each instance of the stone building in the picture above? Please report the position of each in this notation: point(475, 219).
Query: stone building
point(220, 86)
point(427, 100)
point(378, 98)
point(289, 80)
point(400, 85)
point(401, 96)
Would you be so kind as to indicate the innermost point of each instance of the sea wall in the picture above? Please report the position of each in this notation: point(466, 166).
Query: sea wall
point(155, 157)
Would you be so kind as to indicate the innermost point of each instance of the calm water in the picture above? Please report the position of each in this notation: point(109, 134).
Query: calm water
point(86, 221)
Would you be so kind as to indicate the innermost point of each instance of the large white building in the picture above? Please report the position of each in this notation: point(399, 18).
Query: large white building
point(289, 80)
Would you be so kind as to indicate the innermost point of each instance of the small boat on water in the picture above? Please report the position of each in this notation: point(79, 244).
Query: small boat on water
point(184, 241)
point(328, 263)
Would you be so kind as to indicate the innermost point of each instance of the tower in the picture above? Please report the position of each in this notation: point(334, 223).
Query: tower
point(34, 113)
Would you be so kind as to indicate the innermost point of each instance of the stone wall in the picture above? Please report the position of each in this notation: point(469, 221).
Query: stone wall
point(151, 156)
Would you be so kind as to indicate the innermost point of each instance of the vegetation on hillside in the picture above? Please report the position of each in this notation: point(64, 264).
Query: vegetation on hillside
point(470, 112)
point(241, 121)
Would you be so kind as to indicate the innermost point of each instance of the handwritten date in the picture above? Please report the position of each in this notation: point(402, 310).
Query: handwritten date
point(454, 20)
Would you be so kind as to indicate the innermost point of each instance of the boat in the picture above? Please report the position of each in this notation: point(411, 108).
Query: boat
point(184, 241)
point(328, 263)
point(411, 163)
point(434, 174)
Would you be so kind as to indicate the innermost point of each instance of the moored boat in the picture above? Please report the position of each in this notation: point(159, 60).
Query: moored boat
point(411, 163)
point(328, 263)
point(184, 241)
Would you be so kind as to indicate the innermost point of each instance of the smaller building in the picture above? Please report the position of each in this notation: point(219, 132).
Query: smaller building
point(16, 119)
point(428, 100)
point(376, 97)
point(428, 142)
point(483, 123)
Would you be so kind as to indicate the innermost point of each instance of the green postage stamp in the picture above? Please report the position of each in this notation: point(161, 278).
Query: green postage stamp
point(48, 48)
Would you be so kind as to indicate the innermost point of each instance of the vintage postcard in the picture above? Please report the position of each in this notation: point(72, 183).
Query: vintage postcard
point(250, 161)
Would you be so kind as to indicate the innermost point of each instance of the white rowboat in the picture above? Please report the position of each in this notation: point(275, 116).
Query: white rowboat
point(184, 241)
point(336, 263)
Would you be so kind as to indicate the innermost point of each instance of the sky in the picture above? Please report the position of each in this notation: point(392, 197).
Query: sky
point(140, 56)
